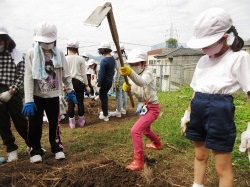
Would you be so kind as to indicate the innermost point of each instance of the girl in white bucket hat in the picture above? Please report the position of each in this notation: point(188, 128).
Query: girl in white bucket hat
point(11, 94)
point(220, 73)
point(105, 77)
point(143, 87)
point(46, 72)
point(78, 70)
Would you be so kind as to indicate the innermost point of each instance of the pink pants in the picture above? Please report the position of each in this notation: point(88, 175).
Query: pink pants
point(142, 126)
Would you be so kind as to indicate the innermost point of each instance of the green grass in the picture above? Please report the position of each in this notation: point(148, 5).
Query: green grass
point(167, 126)
point(173, 107)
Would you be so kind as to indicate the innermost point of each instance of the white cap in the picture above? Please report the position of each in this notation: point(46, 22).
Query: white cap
point(137, 55)
point(209, 27)
point(73, 43)
point(45, 32)
point(3, 30)
point(91, 62)
point(121, 47)
point(105, 45)
point(85, 55)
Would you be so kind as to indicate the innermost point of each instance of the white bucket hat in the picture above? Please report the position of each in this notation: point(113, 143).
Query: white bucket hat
point(209, 27)
point(105, 45)
point(85, 55)
point(73, 43)
point(3, 30)
point(91, 62)
point(121, 47)
point(45, 32)
point(137, 55)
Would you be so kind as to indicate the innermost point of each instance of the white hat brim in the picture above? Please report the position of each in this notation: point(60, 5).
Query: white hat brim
point(135, 60)
point(3, 32)
point(44, 39)
point(198, 43)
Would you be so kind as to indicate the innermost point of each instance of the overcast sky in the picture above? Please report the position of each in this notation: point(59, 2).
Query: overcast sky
point(140, 23)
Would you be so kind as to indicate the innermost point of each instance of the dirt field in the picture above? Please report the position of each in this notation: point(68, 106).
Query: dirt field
point(86, 169)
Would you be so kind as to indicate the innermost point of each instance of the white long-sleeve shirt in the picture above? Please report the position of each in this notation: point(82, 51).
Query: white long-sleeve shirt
point(53, 87)
point(78, 69)
point(143, 86)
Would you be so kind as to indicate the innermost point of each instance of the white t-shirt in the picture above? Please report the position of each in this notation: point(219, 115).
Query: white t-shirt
point(223, 75)
point(77, 68)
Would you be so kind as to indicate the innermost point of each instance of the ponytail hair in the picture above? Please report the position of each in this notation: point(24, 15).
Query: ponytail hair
point(238, 42)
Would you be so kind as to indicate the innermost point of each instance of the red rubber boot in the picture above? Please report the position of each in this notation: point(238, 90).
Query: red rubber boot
point(138, 162)
point(155, 145)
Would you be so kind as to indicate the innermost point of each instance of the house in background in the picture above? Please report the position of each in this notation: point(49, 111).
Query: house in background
point(173, 68)
point(246, 46)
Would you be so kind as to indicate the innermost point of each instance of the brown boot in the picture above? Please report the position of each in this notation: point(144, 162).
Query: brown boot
point(138, 162)
point(155, 145)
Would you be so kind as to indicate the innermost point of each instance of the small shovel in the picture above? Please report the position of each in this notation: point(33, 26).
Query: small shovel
point(95, 19)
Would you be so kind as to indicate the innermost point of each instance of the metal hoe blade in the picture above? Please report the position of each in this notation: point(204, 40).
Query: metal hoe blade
point(95, 19)
point(97, 16)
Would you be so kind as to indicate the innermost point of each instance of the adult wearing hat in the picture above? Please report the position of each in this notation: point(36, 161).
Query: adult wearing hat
point(222, 71)
point(105, 78)
point(78, 70)
point(11, 95)
point(46, 72)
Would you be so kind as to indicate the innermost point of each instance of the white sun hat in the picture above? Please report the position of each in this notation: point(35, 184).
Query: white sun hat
point(73, 43)
point(45, 32)
point(91, 62)
point(105, 45)
point(85, 55)
point(3, 30)
point(209, 27)
point(137, 55)
point(121, 47)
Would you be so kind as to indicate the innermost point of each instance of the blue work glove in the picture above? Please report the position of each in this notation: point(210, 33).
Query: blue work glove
point(71, 97)
point(29, 109)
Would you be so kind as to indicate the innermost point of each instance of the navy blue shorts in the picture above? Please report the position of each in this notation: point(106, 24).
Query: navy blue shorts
point(212, 121)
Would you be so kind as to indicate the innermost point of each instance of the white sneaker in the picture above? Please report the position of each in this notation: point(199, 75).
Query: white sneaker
point(28, 150)
point(105, 118)
point(101, 114)
point(36, 159)
point(59, 155)
point(123, 111)
point(12, 156)
point(61, 117)
point(116, 113)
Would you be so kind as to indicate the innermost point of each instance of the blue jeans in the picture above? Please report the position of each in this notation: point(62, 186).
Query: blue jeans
point(121, 98)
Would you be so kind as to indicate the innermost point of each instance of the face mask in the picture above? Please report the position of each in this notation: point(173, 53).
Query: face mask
point(47, 46)
point(1, 48)
point(115, 55)
point(137, 69)
point(213, 49)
